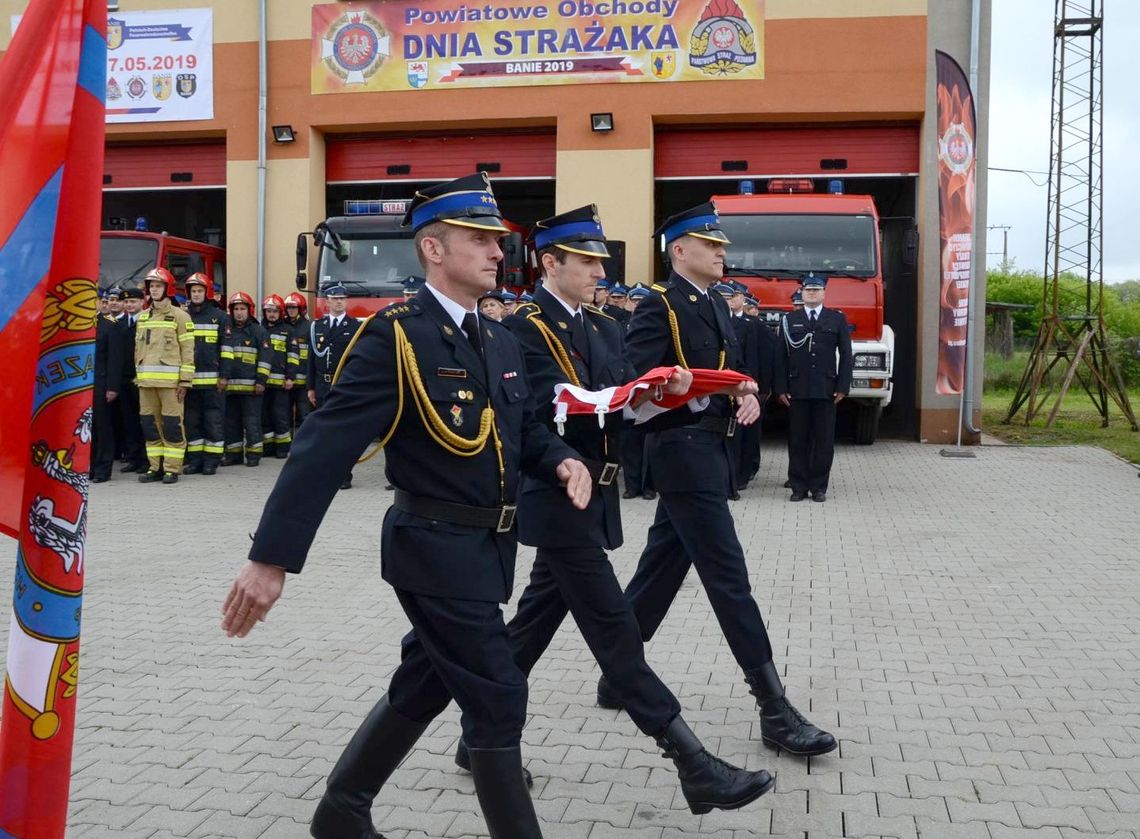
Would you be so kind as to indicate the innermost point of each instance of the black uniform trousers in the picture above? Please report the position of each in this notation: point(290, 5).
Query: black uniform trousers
point(696, 528)
point(811, 443)
point(634, 464)
point(459, 649)
point(102, 433)
point(582, 581)
point(299, 405)
point(243, 420)
point(134, 451)
point(204, 418)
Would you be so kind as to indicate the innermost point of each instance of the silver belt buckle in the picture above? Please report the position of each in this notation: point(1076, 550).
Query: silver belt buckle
point(731, 427)
point(609, 472)
point(506, 519)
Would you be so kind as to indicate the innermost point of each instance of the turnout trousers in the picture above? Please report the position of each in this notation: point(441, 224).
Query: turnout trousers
point(459, 649)
point(697, 529)
point(160, 414)
point(243, 426)
point(205, 425)
point(811, 443)
point(276, 425)
point(582, 581)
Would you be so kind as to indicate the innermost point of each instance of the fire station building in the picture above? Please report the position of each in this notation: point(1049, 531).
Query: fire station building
point(643, 107)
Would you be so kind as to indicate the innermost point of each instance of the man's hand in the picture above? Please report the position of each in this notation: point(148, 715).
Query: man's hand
point(312, 394)
point(259, 388)
point(679, 382)
point(180, 393)
point(785, 399)
point(748, 388)
point(579, 484)
point(112, 395)
point(748, 410)
point(838, 397)
point(251, 597)
point(288, 384)
point(222, 385)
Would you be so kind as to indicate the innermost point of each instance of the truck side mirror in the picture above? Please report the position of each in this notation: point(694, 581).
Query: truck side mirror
point(302, 262)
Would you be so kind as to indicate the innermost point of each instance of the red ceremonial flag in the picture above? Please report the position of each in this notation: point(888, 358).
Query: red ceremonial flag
point(52, 80)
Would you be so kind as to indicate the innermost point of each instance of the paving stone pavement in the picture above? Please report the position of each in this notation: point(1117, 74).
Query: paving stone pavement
point(967, 628)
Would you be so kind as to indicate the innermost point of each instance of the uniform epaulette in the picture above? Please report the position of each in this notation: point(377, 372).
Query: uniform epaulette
point(400, 310)
point(109, 318)
point(598, 311)
point(525, 310)
point(659, 288)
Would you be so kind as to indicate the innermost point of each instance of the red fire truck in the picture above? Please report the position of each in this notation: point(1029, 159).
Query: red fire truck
point(370, 253)
point(125, 257)
point(780, 236)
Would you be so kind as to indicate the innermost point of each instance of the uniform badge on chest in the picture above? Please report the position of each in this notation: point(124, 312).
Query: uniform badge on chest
point(456, 416)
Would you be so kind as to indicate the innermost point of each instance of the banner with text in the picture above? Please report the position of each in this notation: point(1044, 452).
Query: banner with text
point(444, 44)
point(956, 188)
point(160, 65)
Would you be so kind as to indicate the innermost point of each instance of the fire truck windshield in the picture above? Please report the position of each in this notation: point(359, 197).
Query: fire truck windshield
point(123, 260)
point(376, 266)
point(826, 244)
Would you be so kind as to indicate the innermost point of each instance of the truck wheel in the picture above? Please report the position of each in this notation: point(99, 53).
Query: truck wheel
point(867, 422)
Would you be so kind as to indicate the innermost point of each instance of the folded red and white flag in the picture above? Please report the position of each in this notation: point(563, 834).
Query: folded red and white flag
point(569, 399)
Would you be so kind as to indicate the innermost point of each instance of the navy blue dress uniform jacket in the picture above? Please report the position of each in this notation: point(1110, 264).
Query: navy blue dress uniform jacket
point(685, 459)
point(326, 348)
point(418, 555)
point(546, 519)
point(810, 371)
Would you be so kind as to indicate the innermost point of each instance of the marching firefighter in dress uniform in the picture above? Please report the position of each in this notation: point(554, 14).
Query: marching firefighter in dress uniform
point(206, 399)
point(447, 391)
point(276, 424)
point(685, 324)
point(815, 376)
point(329, 337)
point(297, 379)
point(108, 385)
point(245, 346)
point(564, 340)
point(164, 359)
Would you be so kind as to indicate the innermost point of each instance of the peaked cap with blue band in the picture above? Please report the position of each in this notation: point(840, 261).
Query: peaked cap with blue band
point(464, 202)
point(578, 231)
point(813, 281)
point(701, 221)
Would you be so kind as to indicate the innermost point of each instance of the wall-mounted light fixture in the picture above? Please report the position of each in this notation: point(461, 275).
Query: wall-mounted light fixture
point(284, 134)
point(601, 122)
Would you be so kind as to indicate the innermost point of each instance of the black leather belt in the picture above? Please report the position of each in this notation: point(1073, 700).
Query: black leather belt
point(500, 519)
point(603, 473)
point(717, 425)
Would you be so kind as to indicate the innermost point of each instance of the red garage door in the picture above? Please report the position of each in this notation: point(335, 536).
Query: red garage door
point(443, 157)
point(165, 166)
point(761, 152)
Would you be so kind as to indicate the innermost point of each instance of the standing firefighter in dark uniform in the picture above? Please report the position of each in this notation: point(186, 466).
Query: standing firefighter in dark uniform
point(245, 369)
point(447, 392)
point(564, 340)
point(329, 337)
point(685, 324)
point(297, 379)
point(206, 399)
point(276, 422)
point(814, 378)
point(108, 386)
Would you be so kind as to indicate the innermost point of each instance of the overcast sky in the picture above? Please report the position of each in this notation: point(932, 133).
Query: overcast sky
point(1020, 95)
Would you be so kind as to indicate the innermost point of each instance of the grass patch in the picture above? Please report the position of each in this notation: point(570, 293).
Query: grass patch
point(1078, 423)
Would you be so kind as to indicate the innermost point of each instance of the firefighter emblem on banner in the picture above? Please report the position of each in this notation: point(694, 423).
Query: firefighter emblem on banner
point(187, 85)
point(355, 47)
point(115, 28)
point(723, 41)
point(161, 86)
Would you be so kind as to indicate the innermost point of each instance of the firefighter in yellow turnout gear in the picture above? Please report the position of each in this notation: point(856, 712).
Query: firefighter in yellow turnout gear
point(164, 357)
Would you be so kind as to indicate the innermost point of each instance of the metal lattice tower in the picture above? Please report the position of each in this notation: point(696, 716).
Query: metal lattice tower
point(1072, 325)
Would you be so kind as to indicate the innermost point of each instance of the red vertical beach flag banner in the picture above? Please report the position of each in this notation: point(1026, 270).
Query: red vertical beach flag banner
point(52, 86)
point(956, 189)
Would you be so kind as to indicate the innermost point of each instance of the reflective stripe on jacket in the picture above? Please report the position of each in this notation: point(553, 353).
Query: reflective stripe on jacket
point(164, 347)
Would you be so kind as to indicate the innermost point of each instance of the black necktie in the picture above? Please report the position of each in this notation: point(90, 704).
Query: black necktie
point(471, 328)
point(814, 314)
point(579, 339)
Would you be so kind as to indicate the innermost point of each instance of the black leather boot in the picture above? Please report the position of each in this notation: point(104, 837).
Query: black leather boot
point(463, 761)
point(608, 698)
point(371, 756)
point(503, 796)
point(708, 782)
point(781, 725)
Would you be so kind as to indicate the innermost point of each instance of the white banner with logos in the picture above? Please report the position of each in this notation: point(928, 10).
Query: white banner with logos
point(160, 65)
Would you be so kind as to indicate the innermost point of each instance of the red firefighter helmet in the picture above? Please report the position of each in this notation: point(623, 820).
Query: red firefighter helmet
point(274, 300)
point(240, 297)
point(161, 275)
point(298, 300)
point(202, 280)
